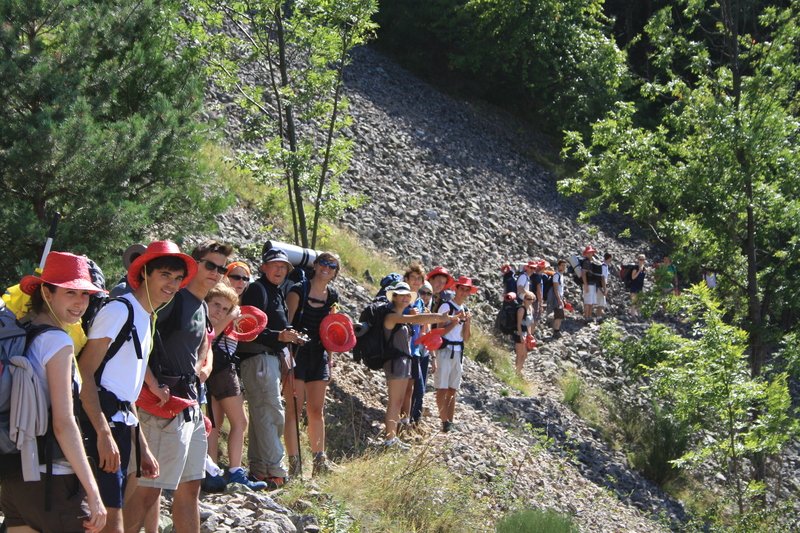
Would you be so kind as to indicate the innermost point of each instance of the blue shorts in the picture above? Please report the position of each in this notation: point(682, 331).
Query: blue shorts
point(111, 485)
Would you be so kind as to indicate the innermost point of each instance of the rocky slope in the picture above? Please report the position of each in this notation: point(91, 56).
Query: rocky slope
point(451, 183)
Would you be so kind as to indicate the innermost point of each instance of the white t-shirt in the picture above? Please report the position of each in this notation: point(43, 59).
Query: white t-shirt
point(43, 347)
point(558, 278)
point(454, 334)
point(523, 284)
point(124, 373)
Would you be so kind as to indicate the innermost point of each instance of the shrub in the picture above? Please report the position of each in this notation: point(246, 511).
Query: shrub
point(536, 521)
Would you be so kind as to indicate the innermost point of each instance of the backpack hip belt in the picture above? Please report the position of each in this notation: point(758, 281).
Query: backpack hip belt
point(453, 344)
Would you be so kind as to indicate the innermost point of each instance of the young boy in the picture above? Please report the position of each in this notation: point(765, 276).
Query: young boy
point(179, 443)
point(555, 300)
point(448, 365)
point(118, 367)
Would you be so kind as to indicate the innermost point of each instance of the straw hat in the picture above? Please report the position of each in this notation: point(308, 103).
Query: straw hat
point(160, 249)
point(62, 269)
point(400, 288)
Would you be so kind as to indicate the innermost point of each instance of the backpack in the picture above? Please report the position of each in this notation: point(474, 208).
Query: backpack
point(506, 321)
point(15, 338)
point(574, 269)
point(547, 283)
point(372, 347)
point(626, 274)
point(510, 281)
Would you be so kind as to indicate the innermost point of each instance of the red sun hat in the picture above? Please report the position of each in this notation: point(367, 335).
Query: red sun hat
point(249, 325)
point(530, 342)
point(510, 296)
point(432, 340)
point(62, 269)
point(568, 306)
point(149, 402)
point(506, 268)
point(160, 249)
point(464, 281)
point(442, 271)
point(589, 250)
point(336, 333)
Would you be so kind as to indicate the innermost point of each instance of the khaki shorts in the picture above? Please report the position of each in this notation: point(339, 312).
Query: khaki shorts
point(178, 446)
point(601, 298)
point(448, 370)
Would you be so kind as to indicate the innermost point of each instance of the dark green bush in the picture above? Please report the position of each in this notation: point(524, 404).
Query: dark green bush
point(536, 521)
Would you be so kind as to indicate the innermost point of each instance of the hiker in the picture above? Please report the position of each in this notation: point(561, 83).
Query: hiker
point(225, 390)
point(524, 279)
point(536, 286)
point(448, 364)
point(425, 297)
point(637, 283)
point(179, 442)
point(555, 297)
point(238, 276)
point(509, 279)
point(58, 297)
point(115, 361)
point(710, 278)
point(397, 328)
point(261, 369)
point(523, 330)
point(667, 277)
point(590, 281)
point(128, 256)
point(442, 282)
point(415, 277)
point(602, 287)
point(308, 302)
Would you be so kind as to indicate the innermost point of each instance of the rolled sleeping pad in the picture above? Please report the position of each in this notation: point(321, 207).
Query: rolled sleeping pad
point(298, 256)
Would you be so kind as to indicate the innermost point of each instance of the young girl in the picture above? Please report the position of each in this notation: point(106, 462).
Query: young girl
point(308, 303)
point(398, 370)
point(59, 297)
point(525, 315)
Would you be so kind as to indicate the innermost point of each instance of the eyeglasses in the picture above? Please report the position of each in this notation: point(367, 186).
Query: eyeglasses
point(237, 277)
point(329, 264)
point(211, 266)
point(425, 293)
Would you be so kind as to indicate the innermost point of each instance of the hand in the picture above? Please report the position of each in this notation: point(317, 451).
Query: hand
point(413, 311)
point(203, 374)
point(236, 312)
point(149, 464)
point(433, 365)
point(97, 514)
point(108, 452)
point(162, 392)
point(291, 336)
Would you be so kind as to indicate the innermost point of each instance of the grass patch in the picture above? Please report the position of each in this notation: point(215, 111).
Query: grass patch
point(397, 492)
point(485, 349)
point(589, 403)
point(536, 521)
point(360, 262)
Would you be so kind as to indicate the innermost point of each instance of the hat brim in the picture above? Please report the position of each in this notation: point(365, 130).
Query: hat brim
point(29, 284)
point(249, 325)
point(432, 340)
point(472, 288)
point(391, 294)
point(132, 252)
point(450, 279)
point(345, 326)
point(135, 270)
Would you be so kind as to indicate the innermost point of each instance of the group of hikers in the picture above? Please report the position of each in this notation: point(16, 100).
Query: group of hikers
point(121, 392)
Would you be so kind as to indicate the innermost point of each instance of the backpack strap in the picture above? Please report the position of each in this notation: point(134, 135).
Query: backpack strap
point(126, 333)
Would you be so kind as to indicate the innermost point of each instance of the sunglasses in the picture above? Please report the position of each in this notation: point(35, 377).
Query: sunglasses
point(528, 299)
point(425, 293)
point(211, 266)
point(237, 277)
point(329, 264)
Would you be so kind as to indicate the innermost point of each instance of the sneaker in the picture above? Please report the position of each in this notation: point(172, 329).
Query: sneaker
point(276, 482)
point(447, 426)
point(238, 476)
point(322, 465)
point(213, 484)
point(295, 466)
point(557, 334)
point(396, 444)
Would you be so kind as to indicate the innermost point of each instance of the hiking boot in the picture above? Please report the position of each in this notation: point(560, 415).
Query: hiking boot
point(213, 484)
point(396, 444)
point(322, 465)
point(295, 466)
point(557, 334)
point(239, 476)
point(447, 426)
point(275, 482)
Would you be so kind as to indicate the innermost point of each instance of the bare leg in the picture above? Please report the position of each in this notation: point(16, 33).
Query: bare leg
point(522, 353)
point(185, 508)
point(315, 404)
point(136, 509)
point(233, 407)
point(397, 389)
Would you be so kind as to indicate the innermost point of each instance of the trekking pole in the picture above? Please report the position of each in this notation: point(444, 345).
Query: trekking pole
point(50, 236)
point(296, 415)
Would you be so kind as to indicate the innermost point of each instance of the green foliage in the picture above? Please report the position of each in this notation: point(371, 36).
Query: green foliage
point(294, 105)
point(706, 383)
point(554, 58)
point(98, 120)
point(661, 440)
point(572, 386)
point(639, 355)
point(709, 156)
point(536, 521)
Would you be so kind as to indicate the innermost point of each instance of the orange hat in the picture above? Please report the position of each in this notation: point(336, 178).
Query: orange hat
point(336, 333)
point(62, 269)
point(239, 264)
point(160, 249)
point(247, 327)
